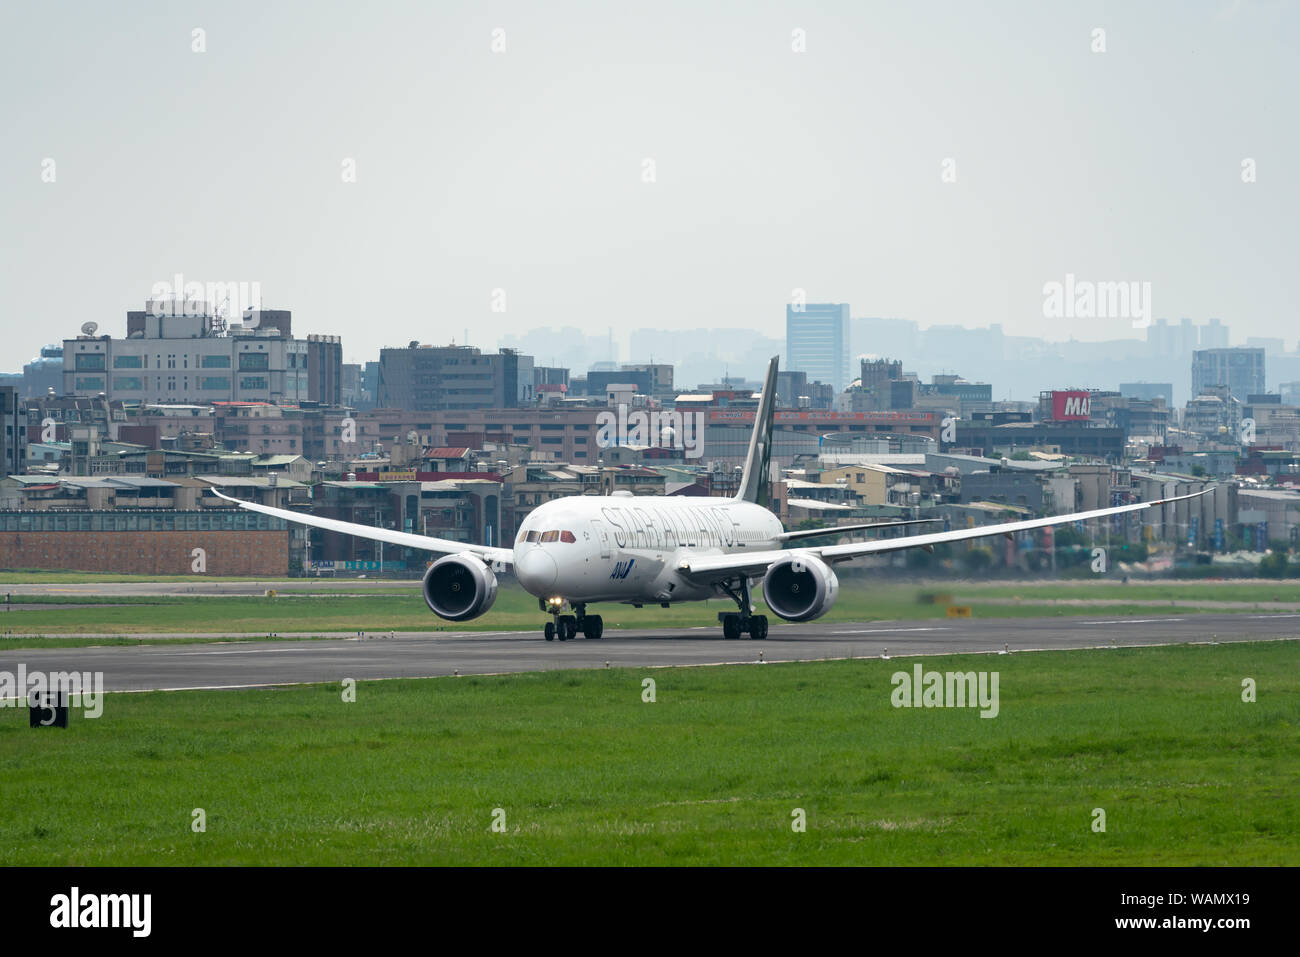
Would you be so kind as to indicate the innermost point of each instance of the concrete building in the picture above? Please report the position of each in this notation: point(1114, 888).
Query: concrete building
point(1192, 521)
point(794, 391)
point(562, 434)
point(464, 510)
point(1240, 369)
point(964, 397)
point(817, 342)
point(43, 373)
point(202, 358)
point(1004, 486)
point(13, 432)
point(1069, 438)
point(425, 378)
point(1144, 420)
point(1277, 510)
point(324, 370)
point(660, 379)
point(1214, 412)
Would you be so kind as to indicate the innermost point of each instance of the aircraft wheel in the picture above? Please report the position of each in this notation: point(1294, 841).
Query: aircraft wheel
point(594, 626)
point(549, 631)
point(731, 627)
point(568, 627)
point(758, 627)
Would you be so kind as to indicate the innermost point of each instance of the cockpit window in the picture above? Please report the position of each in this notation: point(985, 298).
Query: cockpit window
point(554, 535)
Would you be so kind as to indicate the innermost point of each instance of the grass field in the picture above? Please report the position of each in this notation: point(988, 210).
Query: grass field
point(710, 773)
point(403, 609)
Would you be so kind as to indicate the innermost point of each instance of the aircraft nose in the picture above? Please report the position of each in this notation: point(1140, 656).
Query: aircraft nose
point(536, 571)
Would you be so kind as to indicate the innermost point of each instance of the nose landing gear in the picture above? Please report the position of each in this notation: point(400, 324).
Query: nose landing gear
point(566, 627)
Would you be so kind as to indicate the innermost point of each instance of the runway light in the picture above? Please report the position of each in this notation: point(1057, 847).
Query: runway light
point(885, 654)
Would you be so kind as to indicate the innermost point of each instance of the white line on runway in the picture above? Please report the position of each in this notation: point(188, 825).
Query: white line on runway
point(1132, 621)
point(245, 651)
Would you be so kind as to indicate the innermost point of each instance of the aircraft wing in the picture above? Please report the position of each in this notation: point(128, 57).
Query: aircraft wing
point(845, 529)
point(388, 536)
point(712, 568)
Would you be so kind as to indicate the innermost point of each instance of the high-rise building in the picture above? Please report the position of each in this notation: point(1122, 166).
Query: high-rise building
point(1214, 335)
point(325, 369)
point(1241, 370)
point(13, 433)
point(817, 342)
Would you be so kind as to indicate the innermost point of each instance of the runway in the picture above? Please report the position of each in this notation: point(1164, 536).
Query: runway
point(258, 664)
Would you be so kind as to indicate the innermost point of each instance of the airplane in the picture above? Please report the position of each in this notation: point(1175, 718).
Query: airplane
point(661, 550)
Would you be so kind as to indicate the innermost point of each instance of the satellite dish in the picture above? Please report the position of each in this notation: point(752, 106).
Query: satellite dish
point(88, 329)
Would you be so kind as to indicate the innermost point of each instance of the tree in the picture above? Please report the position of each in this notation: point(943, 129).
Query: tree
point(977, 558)
point(1274, 565)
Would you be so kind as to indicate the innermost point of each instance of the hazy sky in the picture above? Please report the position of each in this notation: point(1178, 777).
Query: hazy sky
point(524, 170)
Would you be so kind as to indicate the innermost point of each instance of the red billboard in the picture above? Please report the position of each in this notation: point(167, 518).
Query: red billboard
point(1070, 406)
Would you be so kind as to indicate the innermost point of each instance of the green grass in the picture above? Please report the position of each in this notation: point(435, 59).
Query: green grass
point(515, 610)
point(1284, 591)
point(708, 774)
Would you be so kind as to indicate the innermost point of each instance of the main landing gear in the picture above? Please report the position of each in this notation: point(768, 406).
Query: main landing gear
point(565, 627)
point(734, 625)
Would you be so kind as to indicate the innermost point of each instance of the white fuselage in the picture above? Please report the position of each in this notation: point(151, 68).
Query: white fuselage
point(627, 548)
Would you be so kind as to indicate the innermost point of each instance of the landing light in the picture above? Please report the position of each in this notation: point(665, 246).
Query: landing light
point(555, 601)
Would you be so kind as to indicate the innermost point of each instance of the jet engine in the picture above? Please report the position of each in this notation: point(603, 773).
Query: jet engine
point(459, 587)
point(800, 588)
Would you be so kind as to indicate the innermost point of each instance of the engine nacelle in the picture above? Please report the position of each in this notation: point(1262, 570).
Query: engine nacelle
point(800, 588)
point(459, 587)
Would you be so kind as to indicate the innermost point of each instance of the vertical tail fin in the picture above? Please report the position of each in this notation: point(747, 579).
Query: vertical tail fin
point(755, 482)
